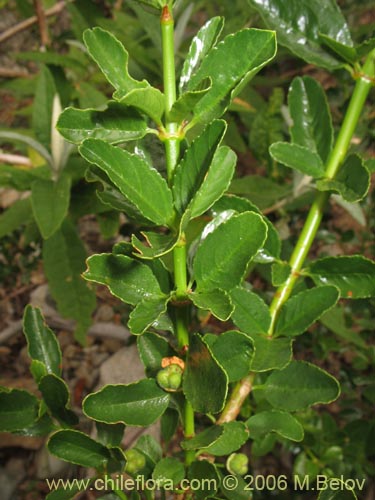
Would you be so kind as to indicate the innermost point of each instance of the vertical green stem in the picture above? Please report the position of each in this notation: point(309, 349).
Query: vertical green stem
point(357, 101)
point(363, 85)
point(172, 153)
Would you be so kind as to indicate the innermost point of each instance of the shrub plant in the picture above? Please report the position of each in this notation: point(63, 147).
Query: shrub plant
point(194, 249)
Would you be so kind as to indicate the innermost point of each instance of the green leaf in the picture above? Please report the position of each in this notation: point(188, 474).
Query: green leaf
point(18, 410)
point(222, 258)
point(168, 471)
point(149, 101)
point(345, 52)
point(200, 46)
point(67, 494)
point(206, 477)
point(64, 260)
point(183, 107)
point(128, 279)
point(138, 404)
point(298, 157)
point(312, 122)
point(203, 439)
point(115, 124)
point(299, 386)
point(353, 275)
point(299, 23)
point(29, 141)
point(270, 353)
point(334, 320)
point(280, 422)
point(152, 349)
point(18, 178)
point(205, 383)
point(217, 302)
point(336, 489)
point(157, 244)
point(150, 448)
point(15, 216)
point(191, 172)
point(50, 203)
point(78, 448)
point(233, 350)
point(251, 313)
point(234, 435)
point(303, 309)
point(55, 394)
point(111, 57)
point(141, 184)
point(146, 313)
point(352, 181)
point(42, 107)
point(42, 343)
point(280, 273)
point(230, 65)
point(110, 434)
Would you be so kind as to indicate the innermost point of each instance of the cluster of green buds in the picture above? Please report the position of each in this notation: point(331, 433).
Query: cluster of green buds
point(135, 461)
point(237, 463)
point(170, 377)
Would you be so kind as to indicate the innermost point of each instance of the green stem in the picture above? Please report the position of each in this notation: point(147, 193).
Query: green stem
point(314, 217)
point(364, 82)
point(172, 153)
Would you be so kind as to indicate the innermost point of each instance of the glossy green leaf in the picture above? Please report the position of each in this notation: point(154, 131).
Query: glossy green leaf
point(156, 244)
point(152, 349)
point(251, 313)
point(15, 216)
point(272, 245)
point(217, 302)
point(42, 109)
point(200, 46)
point(299, 23)
point(141, 184)
point(352, 181)
point(168, 471)
point(128, 279)
point(205, 383)
point(303, 309)
point(110, 434)
point(150, 448)
point(299, 158)
point(78, 448)
point(190, 173)
point(234, 435)
point(206, 477)
point(353, 275)
point(222, 258)
point(146, 313)
point(233, 350)
point(138, 404)
point(299, 386)
point(115, 124)
point(280, 273)
point(203, 439)
point(42, 343)
point(148, 100)
point(112, 59)
point(345, 52)
point(280, 422)
point(50, 203)
point(64, 260)
point(312, 122)
point(270, 353)
point(114, 199)
point(56, 396)
point(230, 65)
point(182, 109)
point(18, 410)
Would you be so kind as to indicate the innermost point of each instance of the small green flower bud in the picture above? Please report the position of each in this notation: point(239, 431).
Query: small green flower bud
point(175, 369)
point(162, 378)
point(135, 461)
point(237, 463)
